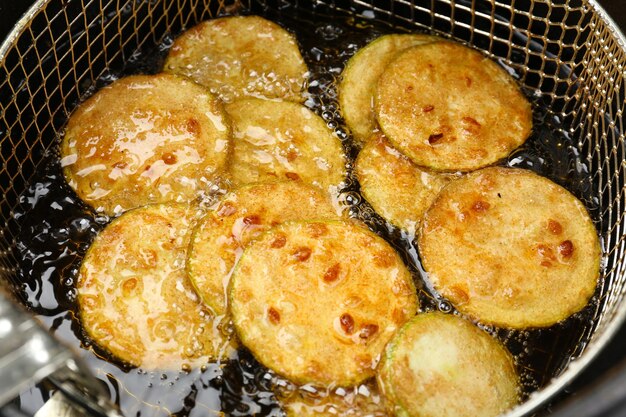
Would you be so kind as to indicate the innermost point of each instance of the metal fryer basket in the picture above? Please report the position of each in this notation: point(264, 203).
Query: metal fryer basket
point(568, 54)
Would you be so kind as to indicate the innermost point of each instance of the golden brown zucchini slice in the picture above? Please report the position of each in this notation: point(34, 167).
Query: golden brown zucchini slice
point(397, 189)
point(510, 248)
point(358, 80)
point(145, 139)
point(134, 297)
point(441, 365)
point(361, 401)
point(317, 301)
point(449, 108)
point(283, 141)
point(240, 56)
point(240, 217)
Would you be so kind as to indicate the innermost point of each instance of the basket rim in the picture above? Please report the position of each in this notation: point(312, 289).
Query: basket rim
point(596, 345)
point(19, 26)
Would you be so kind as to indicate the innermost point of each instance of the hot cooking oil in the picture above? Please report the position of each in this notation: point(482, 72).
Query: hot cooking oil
point(57, 228)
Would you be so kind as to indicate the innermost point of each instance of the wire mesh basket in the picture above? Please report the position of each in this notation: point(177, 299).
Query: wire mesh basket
point(567, 55)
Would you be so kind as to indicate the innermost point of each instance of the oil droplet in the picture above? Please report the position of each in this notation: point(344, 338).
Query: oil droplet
point(445, 306)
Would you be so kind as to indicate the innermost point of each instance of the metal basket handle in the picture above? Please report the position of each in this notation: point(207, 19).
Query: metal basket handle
point(29, 354)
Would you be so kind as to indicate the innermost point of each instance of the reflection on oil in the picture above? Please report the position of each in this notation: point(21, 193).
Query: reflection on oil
point(145, 139)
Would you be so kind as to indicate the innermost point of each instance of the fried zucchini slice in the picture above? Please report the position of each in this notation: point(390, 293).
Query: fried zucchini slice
point(360, 401)
point(134, 298)
point(241, 56)
point(219, 238)
point(317, 301)
point(397, 189)
point(359, 77)
point(145, 139)
point(283, 141)
point(441, 365)
point(510, 248)
point(449, 108)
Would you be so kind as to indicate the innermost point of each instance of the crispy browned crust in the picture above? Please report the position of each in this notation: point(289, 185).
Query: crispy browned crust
point(134, 297)
point(240, 217)
point(240, 56)
point(318, 301)
point(359, 77)
point(510, 248)
point(283, 141)
point(442, 365)
point(449, 108)
point(145, 139)
point(397, 189)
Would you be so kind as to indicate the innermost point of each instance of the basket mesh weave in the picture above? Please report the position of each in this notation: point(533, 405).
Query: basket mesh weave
point(566, 53)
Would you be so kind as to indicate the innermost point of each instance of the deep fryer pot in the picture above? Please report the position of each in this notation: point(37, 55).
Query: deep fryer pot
point(568, 55)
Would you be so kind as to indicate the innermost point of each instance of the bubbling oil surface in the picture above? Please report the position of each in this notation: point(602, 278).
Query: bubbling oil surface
point(57, 229)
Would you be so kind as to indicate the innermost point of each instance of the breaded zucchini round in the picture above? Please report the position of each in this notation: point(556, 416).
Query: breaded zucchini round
point(449, 108)
point(396, 188)
point(240, 56)
point(283, 141)
point(359, 77)
point(145, 139)
point(240, 217)
point(359, 401)
point(440, 365)
point(134, 297)
point(317, 301)
point(510, 248)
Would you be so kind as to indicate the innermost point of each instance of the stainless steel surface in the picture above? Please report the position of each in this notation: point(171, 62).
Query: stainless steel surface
point(569, 53)
point(28, 354)
point(58, 406)
point(62, 405)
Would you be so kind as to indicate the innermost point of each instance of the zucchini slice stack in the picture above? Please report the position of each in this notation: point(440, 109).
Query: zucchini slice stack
point(318, 298)
point(505, 246)
point(358, 80)
point(158, 151)
point(397, 189)
point(240, 217)
point(135, 299)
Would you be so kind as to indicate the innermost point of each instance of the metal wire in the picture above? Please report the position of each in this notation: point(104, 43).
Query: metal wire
point(567, 52)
